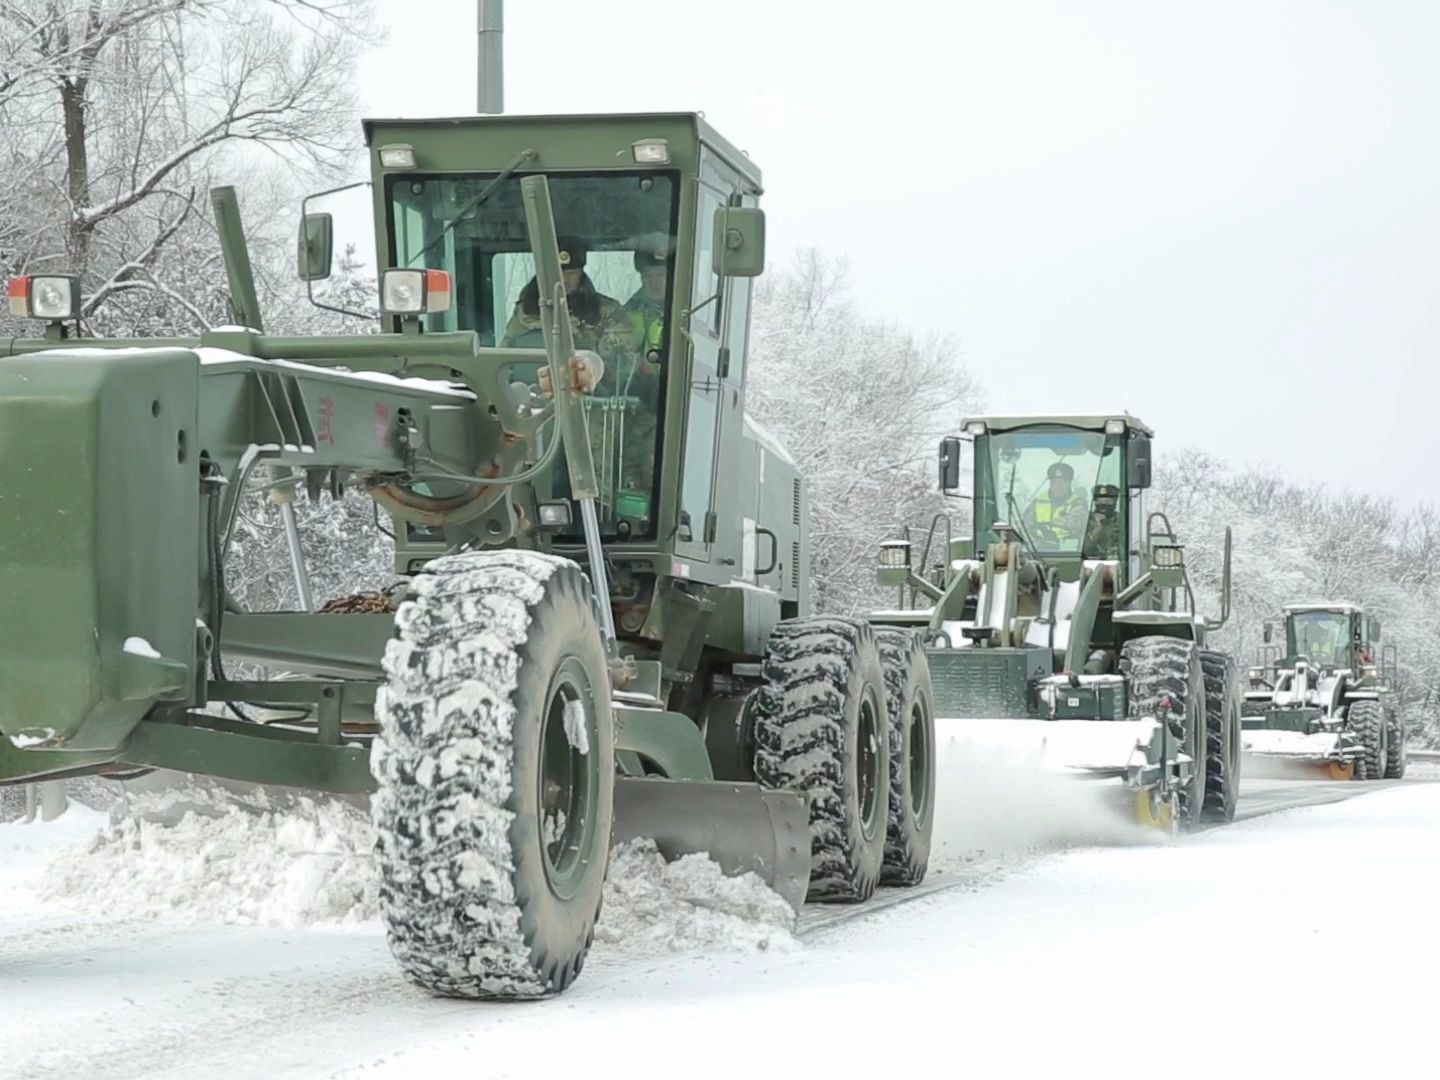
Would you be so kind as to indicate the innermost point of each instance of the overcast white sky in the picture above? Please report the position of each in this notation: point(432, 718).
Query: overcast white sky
point(1224, 217)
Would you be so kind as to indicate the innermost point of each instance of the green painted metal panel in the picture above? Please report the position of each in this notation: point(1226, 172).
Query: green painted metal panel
point(98, 516)
point(251, 753)
point(670, 740)
point(339, 645)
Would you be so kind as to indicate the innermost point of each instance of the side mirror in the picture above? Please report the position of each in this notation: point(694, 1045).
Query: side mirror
point(1137, 461)
point(315, 247)
point(739, 248)
point(1374, 631)
point(1268, 632)
point(950, 463)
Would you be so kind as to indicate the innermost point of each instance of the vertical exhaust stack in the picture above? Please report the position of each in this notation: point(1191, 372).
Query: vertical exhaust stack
point(491, 82)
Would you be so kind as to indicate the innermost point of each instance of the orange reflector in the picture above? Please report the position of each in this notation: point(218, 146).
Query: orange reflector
point(437, 291)
point(19, 292)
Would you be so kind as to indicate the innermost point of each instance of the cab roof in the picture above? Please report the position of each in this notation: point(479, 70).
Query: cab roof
point(1341, 607)
point(706, 133)
point(1090, 421)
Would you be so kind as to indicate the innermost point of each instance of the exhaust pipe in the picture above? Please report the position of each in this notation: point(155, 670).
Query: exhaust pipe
point(490, 91)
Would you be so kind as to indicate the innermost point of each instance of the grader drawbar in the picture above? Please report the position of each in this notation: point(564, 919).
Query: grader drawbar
point(1064, 631)
point(605, 628)
point(1322, 708)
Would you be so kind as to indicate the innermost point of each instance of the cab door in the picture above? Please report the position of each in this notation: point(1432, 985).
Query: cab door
point(698, 525)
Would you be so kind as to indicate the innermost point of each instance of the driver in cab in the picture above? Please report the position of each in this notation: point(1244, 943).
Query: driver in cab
point(1059, 512)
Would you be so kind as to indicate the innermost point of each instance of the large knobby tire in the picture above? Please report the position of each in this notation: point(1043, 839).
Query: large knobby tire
point(495, 776)
point(1396, 754)
point(910, 704)
point(1222, 736)
point(1166, 679)
point(821, 730)
point(1365, 722)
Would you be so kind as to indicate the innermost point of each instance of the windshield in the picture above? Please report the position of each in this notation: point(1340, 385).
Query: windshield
point(617, 242)
point(1059, 486)
point(1322, 637)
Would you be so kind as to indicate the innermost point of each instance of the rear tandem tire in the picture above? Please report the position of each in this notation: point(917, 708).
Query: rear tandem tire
point(1366, 724)
point(1161, 669)
point(1396, 756)
point(821, 729)
point(910, 703)
point(495, 776)
point(1222, 736)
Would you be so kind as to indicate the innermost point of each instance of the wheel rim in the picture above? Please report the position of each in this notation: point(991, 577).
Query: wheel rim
point(868, 760)
point(920, 751)
point(1199, 768)
point(567, 786)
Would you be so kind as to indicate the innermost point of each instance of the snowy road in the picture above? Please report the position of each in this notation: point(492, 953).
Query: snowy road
point(1082, 947)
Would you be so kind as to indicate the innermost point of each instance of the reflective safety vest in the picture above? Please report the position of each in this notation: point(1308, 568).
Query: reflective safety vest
point(1052, 514)
point(648, 327)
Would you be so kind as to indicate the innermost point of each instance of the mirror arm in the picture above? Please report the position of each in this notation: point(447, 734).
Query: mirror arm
point(310, 285)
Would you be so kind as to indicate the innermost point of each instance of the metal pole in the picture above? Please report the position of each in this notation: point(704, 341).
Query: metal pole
point(491, 81)
point(243, 302)
point(283, 496)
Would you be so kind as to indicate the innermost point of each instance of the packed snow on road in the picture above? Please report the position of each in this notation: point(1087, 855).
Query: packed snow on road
point(199, 932)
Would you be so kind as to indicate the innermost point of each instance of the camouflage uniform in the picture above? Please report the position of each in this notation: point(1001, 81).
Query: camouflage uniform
point(1102, 535)
point(523, 330)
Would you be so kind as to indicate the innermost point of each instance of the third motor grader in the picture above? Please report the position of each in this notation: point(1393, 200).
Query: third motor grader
point(1323, 706)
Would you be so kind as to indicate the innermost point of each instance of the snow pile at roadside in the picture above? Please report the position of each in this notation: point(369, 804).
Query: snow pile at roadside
point(652, 906)
point(201, 857)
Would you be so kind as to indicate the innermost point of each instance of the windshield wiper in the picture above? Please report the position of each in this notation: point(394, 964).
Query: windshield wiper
point(1019, 524)
point(471, 206)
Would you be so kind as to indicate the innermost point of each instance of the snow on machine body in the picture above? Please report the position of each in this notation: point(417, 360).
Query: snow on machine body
point(1065, 629)
point(1322, 707)
point(606, 629)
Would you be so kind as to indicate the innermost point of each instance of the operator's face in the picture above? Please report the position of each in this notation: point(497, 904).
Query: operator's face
point(1059, 488)
point(572, 280)
point(653, 281)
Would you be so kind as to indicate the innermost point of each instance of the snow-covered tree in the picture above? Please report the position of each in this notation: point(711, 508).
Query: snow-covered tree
point(121, 114)
point(1295, 543)
point(861, 405)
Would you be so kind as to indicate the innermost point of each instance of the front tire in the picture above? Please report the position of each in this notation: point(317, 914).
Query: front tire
point(1366, 723)
point(821, 729)
point(1167, 682)
point(495, 776)
point(1397, 756)
point(1222, 736)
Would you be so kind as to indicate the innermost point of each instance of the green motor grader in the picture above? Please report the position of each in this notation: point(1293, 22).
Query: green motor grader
point(1064, 628)
point(1324, 705)
point(607, 630)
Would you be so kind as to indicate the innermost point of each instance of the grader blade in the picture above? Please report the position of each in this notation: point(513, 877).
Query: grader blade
point(743, 827)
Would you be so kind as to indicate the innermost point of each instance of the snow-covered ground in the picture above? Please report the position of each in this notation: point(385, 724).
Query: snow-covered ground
point(242, 942)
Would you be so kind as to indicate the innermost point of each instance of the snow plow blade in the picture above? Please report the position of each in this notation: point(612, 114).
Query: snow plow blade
point(1297, 755)
point(1083, 749)
point(743, 827)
